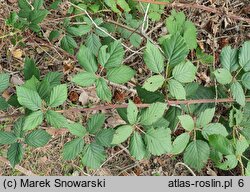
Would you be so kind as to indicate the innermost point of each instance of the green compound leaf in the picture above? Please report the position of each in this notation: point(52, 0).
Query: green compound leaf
point(153, 113)
point(244, 56)
point(185, 72)
point(93, 155)
point(84, 79)
point(15, 154)
point(158, 141)
point(73, 148)
point(137, 146)
point(77, 129)
point(153, 83)
point(120, 74)
point(87, 59)
point(221, 144)
point(132, 112)
point(214, 128)
point(196, 154)
point(33, 120)
point(95, 123)
point(37, 138)
point(58, 95)
point(105, 137)
point(112, 56)
point(30, 69)
point(122, 133)
point(238, 93)
point(7, 138)
point(223, 76)
point(187, 122)
point(55, 119)
point(102, 90)
point(205, 117)
point(175, 49)
point(180, 143)
point(153, 58)
point(29, 98)
point(246, 80)
point(229, 58)
point(176, 89)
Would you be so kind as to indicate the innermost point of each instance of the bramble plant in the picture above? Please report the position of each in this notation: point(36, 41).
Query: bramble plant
point(172, 97)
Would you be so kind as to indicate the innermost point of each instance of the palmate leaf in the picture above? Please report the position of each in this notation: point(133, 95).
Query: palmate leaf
point(153, 58)
point(197, 154)
point(72, 149)
point(15, 154)
point(121, 134)
point(158, 141)
point(137, 146)
point(120, 74)
point(93, 155)
point(58, 95)
point(29, 98)
point(37, 138)
point(175, 49)
point(33, 120)
point(4, 81)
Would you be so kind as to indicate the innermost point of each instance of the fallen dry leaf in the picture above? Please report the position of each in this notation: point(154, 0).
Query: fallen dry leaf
point(73, 96)
point(83, 99)
point(17, 53)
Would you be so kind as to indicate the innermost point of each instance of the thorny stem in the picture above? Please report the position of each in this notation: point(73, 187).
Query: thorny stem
point(197, 6)
point(116, 106)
